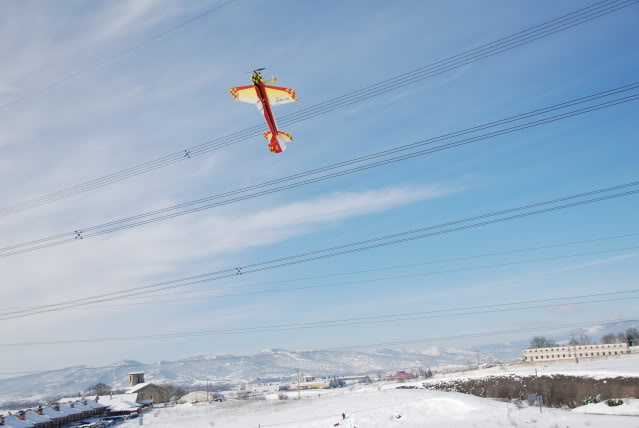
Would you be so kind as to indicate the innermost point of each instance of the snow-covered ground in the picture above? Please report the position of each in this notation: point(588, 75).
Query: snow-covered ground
point(627, 365)
point(630, 407)
point(371, 407)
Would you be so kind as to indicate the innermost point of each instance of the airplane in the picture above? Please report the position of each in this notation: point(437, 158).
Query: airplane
point(266, 96)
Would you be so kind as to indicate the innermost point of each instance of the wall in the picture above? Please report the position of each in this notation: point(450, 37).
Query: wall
point(557, 390)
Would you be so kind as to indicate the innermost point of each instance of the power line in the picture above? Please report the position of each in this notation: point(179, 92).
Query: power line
point(111, 58)
point(338, 284)
point(546, 29)
point(378, 319)
point(206, 203)
point(348, 248)
point(377, 269)
point(362, 346)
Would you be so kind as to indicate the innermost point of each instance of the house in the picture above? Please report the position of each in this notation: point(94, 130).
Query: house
point(567, 353)
point(15, 421)
point(148, 393)
point(38, 419)
point(400, 375)
point(98, 408)
point(57, 416)
point(74, 414)
point(125, 408)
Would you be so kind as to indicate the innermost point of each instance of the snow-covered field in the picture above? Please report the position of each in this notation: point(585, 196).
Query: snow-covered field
point(630, 407)
point(627, 365)
point(371, 407)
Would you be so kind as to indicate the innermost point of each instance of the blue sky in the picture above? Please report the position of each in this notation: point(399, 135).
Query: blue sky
point(173, 93)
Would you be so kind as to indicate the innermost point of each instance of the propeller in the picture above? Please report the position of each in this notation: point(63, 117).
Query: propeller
point(255, 71)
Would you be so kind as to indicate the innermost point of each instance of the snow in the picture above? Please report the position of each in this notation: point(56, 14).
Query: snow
point(369, 406)
point(137, 387)
point(626, 365)
point(125, 406)
point(630, 407)
point(106, 400)
point(69, 410)
point(13, 422)
point(54, 414)
point(36, 418)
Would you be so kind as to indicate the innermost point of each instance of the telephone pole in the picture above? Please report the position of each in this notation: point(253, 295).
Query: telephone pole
point(477, 359)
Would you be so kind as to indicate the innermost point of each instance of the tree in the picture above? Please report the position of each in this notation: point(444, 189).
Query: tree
point(622, 338)
point(99, 389)
point(542, 342)
point(633, 336)
point(573, 341)
point(336, 383)
point(609, 338)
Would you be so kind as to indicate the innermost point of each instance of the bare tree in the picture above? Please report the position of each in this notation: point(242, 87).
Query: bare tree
point(99, 389)
point(609, 338)
point(632, 335)
point(542, 342)
point(573, 341)
point(622, 338)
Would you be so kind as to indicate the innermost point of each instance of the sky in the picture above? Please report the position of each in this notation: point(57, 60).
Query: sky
point(172, 93)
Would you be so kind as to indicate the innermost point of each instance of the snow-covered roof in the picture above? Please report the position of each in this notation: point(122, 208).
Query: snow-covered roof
point(78, 405)
point(36, 418)
point(112, 400)
point(53, 413)
point(14, 422)
point(138, 387)
point(95, 404)
point(125, 406)
point(90, 403)
point(69, 410)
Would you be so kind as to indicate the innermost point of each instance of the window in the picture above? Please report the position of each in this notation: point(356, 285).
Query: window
point(564, 355)
point(615, 352)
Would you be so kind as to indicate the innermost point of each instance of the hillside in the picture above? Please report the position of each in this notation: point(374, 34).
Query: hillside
point(274, 363)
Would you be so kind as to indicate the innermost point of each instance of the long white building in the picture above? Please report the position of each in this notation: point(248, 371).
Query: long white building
point(532, 355)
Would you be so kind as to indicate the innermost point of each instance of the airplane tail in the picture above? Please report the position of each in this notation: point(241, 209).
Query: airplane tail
point(276, 142)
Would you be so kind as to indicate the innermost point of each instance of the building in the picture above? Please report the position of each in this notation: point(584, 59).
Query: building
point(14, 421)
point(566, 353)
point(148, 393)
point(400, 375)
point(38, 419)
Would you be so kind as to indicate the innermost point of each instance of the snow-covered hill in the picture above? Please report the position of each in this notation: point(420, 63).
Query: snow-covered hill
point(275, 363)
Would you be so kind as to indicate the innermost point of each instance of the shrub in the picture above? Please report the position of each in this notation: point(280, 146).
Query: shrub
point(592, 399)
point(282, 396)
point(614, 403)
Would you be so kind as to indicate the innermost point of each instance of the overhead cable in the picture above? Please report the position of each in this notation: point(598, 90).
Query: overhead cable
point(504, 44)
point(339, 169)
point(537, 208)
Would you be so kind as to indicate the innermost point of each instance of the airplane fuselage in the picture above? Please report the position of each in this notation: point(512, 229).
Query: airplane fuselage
point(266, 107)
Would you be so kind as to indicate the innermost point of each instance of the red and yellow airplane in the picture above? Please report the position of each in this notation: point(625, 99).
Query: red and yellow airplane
point(265, 97)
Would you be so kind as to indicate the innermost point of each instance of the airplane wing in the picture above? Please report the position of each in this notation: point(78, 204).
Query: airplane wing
point(277, 95)
point(246, 94)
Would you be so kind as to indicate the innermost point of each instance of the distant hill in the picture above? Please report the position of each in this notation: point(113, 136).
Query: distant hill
point(271, 364)
point(275, 363)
